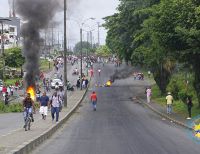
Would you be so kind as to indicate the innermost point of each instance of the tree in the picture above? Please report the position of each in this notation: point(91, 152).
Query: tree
point(176, 25)
point(14, 58)
point(86, 46)
point(103, 51)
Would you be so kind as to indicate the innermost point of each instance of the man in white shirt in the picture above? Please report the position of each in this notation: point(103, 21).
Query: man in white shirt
point(55, 106)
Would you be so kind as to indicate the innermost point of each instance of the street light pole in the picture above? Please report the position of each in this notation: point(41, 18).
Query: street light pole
point(81, 35)
point(91, 39)
point(98, 34)
point(65, 51)
point(87, 51)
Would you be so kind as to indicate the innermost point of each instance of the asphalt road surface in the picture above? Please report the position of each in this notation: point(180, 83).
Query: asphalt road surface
point(119, 126)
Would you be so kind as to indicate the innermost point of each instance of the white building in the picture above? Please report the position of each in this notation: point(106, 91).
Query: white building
point(11, 33)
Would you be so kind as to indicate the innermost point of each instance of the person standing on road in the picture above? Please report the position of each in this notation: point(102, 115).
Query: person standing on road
point(93, 98)
point(55, 106)
point(169, 100)
point(99, 71)
point(44, 102)
point(148, 93)
point(189, 106)
point(78, 83)
point(6, 98)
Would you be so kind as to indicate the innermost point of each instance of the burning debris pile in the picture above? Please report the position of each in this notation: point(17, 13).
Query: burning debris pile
point(36, 14)
point(122, 74)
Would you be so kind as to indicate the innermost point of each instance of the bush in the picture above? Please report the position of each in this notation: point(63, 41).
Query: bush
point(183, 96)
point(14, 107)
point(180, 89)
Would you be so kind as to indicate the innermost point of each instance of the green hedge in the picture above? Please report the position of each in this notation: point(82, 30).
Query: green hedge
point(14, 107)
point(180, 89)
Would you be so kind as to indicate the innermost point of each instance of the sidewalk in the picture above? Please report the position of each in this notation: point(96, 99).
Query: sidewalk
point(16, 140)
point(162, 111)
point(174, 117)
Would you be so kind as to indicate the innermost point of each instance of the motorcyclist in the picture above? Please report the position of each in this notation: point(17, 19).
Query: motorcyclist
point(69, 86)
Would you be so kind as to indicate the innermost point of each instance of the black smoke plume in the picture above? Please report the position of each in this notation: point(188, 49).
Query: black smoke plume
point(36, 15)
point(122, 74)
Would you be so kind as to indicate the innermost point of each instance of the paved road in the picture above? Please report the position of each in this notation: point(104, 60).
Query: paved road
point(10, 122)
point(119, 126)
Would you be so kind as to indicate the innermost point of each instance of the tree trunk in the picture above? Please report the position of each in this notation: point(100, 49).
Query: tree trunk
point(162, 78)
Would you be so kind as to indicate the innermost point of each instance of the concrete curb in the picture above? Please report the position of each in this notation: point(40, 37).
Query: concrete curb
point(164, 115)
point(28, 146)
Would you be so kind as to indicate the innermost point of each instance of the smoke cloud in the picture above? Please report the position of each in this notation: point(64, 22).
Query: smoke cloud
point(37, 14)
point(122, 74)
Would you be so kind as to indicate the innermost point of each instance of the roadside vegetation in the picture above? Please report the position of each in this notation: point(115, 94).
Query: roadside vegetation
point(14, 63)
point(162, 36)
point(14, 107)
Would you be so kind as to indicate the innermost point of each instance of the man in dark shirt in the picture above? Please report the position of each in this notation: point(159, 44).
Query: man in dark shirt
point(44, 102)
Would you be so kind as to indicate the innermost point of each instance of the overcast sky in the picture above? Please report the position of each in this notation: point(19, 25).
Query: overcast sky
point(79, 10)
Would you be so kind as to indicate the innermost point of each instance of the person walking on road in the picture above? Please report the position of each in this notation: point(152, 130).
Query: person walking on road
point(91, 72)
point(148, 93)
point(169, 100)
point(44, 102)
point(55, 106)
point(189, 106)
point(93, 98)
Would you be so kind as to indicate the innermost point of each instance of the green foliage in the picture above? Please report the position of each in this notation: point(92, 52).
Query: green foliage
point(178, 105)
point(44, 65)
point(14, 58)
point(103, 51)
point(14, 107)
point(11, 81)
point(180, 88)
point(157, 34)
point(86, 46)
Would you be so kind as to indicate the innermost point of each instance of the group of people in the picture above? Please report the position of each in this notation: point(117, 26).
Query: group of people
point(46, 84)
point(55, 103)
point(169, 101)
point(138, 76)
point(58, 63)
point(83, 83)
point(8, 91)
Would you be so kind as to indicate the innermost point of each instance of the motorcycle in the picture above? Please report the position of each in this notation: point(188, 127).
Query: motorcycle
point(70, 88)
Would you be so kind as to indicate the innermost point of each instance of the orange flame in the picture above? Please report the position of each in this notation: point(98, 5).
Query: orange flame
point(31, 90)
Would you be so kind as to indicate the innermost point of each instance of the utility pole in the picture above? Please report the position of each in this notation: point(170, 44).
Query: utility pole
point(87, 51)
point(65, 50)
point(91, 39)
point(98, 23)
point(58, 41)
point(45, 43)
point(52, 42)
point(81, 35)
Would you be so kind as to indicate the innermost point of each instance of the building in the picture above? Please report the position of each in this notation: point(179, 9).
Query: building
point(11, 32)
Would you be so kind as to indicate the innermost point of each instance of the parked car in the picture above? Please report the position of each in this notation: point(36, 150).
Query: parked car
point(56, 83)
